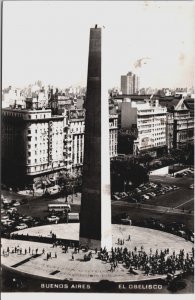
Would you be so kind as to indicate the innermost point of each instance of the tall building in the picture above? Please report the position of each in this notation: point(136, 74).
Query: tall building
point(95, 213)
point(149, 118)
point(130, 84)
point(32, 146)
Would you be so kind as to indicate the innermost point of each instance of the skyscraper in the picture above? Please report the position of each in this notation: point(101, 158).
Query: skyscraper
point(95, 215)
point(129, 83)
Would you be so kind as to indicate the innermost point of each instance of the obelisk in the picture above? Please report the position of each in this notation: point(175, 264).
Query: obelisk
point(95, 213)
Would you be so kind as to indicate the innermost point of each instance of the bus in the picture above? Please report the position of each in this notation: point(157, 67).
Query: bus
point(59, 207)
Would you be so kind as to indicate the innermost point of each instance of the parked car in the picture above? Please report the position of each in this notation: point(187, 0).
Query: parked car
point(153, 185)
point(151, 194)
point(145, 197)
point(191, 186)
point(17, 203)
point(179, 175)
point(3, 218)
point(12, 210)
point(115, 197)
point(175, 187)
point(53, 219)
point(21, 226)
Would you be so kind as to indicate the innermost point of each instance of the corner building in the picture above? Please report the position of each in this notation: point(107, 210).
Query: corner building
point(32, 146)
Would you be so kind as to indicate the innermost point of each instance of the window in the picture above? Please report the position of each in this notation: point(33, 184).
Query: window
point(29, 138)
point(29, 131)
point(29, 153)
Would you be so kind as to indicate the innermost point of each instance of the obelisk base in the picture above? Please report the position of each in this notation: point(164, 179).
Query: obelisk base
point(90, 243)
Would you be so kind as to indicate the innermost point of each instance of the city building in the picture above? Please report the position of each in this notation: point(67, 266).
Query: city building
point(113, 134)
point(32, 146)
point(74, 139)
point(180, 123)
point(38, 146)
point(130, 83)
point(149, 118)
point(12, 97)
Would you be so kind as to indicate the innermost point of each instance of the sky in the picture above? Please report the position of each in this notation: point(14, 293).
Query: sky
point(49, 41)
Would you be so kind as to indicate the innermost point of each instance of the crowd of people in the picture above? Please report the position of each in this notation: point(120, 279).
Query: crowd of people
point(135, 260)
point(160, 262)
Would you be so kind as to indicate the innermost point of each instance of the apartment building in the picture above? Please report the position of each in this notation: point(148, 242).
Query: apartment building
point(180, 123)
point(149, 118)
point(32, 145)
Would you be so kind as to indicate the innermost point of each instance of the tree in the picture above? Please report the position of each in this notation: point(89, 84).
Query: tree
point(126, 172)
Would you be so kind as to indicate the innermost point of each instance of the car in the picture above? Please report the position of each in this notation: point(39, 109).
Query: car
point(6, 202)
point(185, 173)
point(175, 187)
point(145, 197)
point(138, 190)
point(179, 175)
point(8, 223)
point(166, 188)
point(4, 218)
point(53, 219)
point(153, 185)
point(151, 194)
point(181, 233)
point(21, 226)
point(12, 210)
point(191, 186)
point(17, 203)
point(148, 194)
point(115, 197)
point(162, 191)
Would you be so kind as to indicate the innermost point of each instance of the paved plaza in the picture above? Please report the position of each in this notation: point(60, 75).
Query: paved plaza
point(62, 266)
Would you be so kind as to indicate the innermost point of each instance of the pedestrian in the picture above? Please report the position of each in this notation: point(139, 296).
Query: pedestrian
point(43, 251)
point(55, 255)
point(29, 250)
point(25, 251)
point(36, 250)
point(72, 257)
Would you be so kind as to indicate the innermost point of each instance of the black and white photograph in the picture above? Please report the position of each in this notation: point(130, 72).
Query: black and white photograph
point(97, 147)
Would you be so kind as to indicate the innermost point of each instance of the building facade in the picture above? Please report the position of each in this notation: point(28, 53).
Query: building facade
point(37, 147)
point(32, 145)
point(130, 83)
point(149, 118)
point(180, 123)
